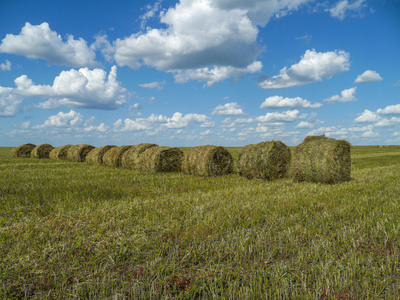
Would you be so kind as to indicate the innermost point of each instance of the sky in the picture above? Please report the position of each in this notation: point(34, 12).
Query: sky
point(197, 72)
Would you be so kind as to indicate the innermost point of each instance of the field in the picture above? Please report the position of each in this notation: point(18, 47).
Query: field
point(74, 231)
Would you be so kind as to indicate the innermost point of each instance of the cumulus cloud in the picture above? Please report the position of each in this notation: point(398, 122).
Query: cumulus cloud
point(370, 134)
point(368, 76)
point(153, 85)
point(313, 67)
point(287, 116)
point(305, 125)
point(69, 119)
point(280, 102)
point(6, 66)
point(9, 102)
point(389, 110)
point(41, 42)
point(203, 40)
point(345, 96)
point(81, 88)
point(207, 132)
point(178, 120)
point(228, 109)
point(344, 8)
point(367, 117)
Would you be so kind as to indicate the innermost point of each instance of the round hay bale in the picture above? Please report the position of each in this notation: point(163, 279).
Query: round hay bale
point(321, 159)
point(207, 160)
point(130, 158)
point(266, 160)
point(78, 153)
point(42, 151)
point(95, 157)
point(60, 152)
point(112, 158)
point(160, 159)
point(23, 150)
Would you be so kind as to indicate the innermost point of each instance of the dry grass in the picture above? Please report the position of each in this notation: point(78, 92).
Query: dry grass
point(130, 158)
point(112, 157)
point(78, 153)
point(321, 159)
point(207, 161)
point(95, 157)
point(22, 150)
point(161, 159)
point(266, 160)
point(60, 152)
point(42, 151)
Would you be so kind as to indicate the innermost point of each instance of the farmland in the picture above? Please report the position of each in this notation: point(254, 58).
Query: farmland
point(72, 230)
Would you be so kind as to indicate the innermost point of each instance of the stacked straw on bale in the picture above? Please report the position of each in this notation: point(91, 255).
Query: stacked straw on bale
point(95, 157)
point(78, 153)
point(112, 157)
point(160, 159)
point(130, 159)
point(42, 151)
point(207, 160)
point(60, 152)
point(23, 150)
point(321, 159)
point(266, 160)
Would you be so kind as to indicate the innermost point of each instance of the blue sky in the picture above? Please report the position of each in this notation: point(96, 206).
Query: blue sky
point(196, 72)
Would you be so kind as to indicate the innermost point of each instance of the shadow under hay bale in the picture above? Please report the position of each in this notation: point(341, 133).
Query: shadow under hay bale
point(42, 151)
point(23, 150)
point(112, 158)
point(60, 152)
point(207, 160)
point(95, 157)
point(321, 159)
point(266, 160)
point(130, 158)
point(160, 159)
point(78, 153)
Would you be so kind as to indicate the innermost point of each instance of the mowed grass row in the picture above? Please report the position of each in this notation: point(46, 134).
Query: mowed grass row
point(69, 230)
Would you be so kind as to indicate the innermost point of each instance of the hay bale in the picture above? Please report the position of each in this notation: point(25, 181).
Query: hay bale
point(23, 150)
point(60, 152)
point(207, 160)
point(160, 159)
point(112, 158)
point(42, 151)
point(95, 157)
point(78, 153)
point(266, 160)
point(130, 158)
point(321, 159)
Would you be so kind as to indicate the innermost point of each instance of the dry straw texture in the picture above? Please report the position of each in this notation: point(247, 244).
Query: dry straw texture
point(130, 159)
point(321, 159)
point(95, 157)
point(23, 150)
point(112, 158)
point(78, 153)
point(160, 159)
point(60, 152)
point(207, 161)
point(266, 160)
point(42, 151)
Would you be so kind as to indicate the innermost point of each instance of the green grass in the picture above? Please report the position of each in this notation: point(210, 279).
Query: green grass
point(73, 231)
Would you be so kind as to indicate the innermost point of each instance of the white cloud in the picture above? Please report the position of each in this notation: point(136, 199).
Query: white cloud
point(136, 106)
point(367, 117)
point(101, 128)
point(280, 102)
point(343, 8)
point(389, 110)
point(9, 102)
point(6, 66)
point(330, 131)
point(345, 96)
point(180, 121)
point(313, 67)
point(102, 43)
point(41, 42)
point(209, 124)
point(207, 132)
point(216, 74)
point(368, 76)
point(70, 119)
point(305, 125)
point(287, 116)
point(370, 134)
point(153, 85)
point(83, 88)
point(202, 39)
point(151, 11)
point(228, 109)
point(25, 125)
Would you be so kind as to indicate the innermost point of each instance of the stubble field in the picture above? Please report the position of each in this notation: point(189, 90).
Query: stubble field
point(74, 231)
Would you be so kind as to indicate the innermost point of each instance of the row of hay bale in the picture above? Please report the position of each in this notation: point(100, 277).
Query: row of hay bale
point(316, 159)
